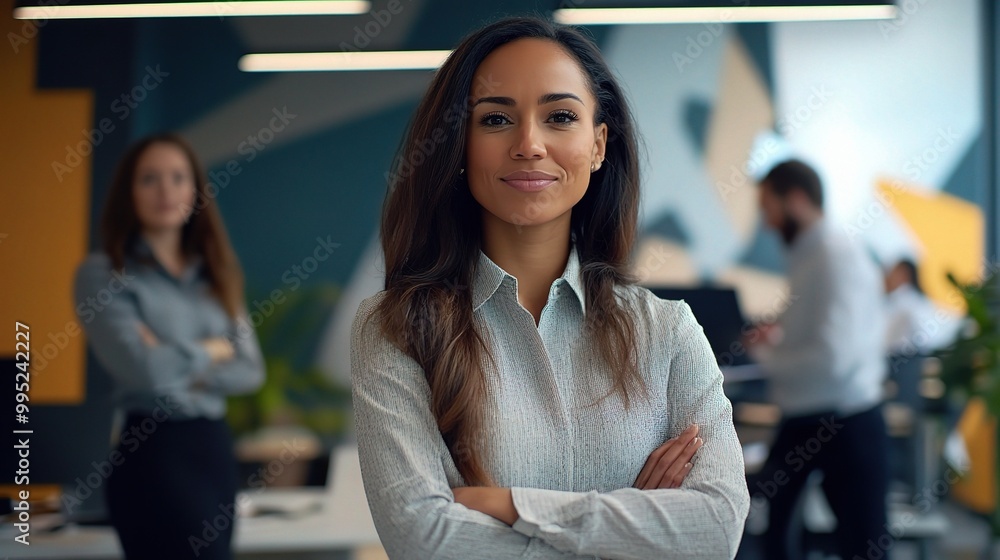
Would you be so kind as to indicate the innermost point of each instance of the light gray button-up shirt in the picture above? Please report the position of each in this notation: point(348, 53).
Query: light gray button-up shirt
point(176, 375)
point(831, 358)
point(570, 466)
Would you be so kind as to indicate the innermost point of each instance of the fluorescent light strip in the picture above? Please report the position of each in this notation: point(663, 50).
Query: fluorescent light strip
point(743, 14)
point(196, 9)
point(342, 61)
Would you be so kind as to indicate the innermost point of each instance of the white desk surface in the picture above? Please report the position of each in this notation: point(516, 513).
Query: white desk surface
point(736, 374)
point(342, 522)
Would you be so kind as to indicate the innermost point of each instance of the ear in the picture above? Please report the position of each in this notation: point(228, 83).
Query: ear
point(600, 142)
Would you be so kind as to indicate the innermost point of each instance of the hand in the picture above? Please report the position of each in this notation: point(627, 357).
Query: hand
point(219, 348)
point(670, 463)
point(763, 334)
point(146, 334)
point(495, 502)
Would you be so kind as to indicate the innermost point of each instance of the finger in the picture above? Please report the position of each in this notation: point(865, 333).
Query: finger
point(657, 454)
point(669, 457)
point(678, 470)
point(674, 479)
point(147, 335)
point(686, 456)
point(683, 474)
point(684, 438)
point(651, 461)
point(667, 460)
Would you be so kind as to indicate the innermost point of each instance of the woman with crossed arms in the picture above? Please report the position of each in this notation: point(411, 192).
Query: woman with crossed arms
point(516, 394)
point(176, 341)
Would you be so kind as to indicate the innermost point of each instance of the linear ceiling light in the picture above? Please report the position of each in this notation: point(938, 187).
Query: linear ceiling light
point(342, 61)
point(196, 9)
point(623, 16)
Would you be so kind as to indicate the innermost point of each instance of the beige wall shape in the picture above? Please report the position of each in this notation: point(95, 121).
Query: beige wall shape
point(742, 110)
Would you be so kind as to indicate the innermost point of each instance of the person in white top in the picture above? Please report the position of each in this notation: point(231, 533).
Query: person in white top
point(916, 325)
point(825, 371)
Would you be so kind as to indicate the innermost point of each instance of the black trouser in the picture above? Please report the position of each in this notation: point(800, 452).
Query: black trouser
point(851, 453)
point(173, 495)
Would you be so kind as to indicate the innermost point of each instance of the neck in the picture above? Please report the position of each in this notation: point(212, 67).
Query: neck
point(806, 220)
point(165, 243)
point(535, 255)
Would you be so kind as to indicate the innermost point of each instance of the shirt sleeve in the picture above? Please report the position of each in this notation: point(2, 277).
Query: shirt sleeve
point(404, 459)
point(110, 317)
point(817, 317)
point(244, 373)
point(702, 519)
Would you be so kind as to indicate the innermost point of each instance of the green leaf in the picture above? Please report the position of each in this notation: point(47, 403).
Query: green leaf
point(990, 391)
point(971, 366)
point(293, 389)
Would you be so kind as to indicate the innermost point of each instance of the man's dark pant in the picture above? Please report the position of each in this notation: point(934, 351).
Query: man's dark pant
point(851, 453)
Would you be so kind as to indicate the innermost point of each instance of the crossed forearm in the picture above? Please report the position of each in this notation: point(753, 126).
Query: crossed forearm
point(666, 467)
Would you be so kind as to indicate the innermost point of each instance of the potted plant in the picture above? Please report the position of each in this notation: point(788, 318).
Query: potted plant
point(297, 407)
point(970, 370)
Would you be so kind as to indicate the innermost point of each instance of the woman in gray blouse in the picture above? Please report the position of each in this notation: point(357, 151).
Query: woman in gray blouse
point(517, 395)
point(162, 306)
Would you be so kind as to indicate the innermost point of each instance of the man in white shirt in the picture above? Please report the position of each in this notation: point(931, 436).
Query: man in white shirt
point(825, 367)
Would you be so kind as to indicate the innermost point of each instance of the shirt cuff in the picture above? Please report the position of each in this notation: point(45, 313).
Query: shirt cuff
point(542, 511)
point(526, 528)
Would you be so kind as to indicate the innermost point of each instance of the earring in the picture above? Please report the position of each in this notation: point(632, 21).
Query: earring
point(461, 171)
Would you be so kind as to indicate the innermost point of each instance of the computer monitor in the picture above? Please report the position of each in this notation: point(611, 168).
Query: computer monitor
point(718, 311)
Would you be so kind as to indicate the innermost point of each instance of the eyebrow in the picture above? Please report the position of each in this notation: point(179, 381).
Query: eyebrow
point(547, 98)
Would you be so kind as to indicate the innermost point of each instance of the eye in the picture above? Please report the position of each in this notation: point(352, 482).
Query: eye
point(494, 119)
point(563, 116)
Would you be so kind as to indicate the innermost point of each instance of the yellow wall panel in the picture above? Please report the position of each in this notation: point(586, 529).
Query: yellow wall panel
point(951, 232)
point(44, 218)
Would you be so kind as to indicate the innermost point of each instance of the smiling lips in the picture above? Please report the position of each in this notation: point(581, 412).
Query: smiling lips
point(529, 181)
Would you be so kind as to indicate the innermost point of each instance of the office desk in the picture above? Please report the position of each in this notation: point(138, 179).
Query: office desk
point(341, 523)
point(739, 374)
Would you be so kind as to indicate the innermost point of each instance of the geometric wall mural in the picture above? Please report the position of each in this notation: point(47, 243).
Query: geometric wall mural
point(949, 234)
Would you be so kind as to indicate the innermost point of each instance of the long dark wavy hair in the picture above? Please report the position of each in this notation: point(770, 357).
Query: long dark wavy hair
point(203, 234)
point(431, 238)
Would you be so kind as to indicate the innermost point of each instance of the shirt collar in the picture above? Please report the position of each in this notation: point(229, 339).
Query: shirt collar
point(489, 276)
point(142, 250)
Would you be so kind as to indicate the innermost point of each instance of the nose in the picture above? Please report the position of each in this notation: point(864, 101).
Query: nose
point(528, 143)
point(162, 185)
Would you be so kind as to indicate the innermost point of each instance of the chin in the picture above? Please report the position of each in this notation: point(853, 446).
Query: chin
point(531, 210)
point(530, 214)
point(164, 222)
